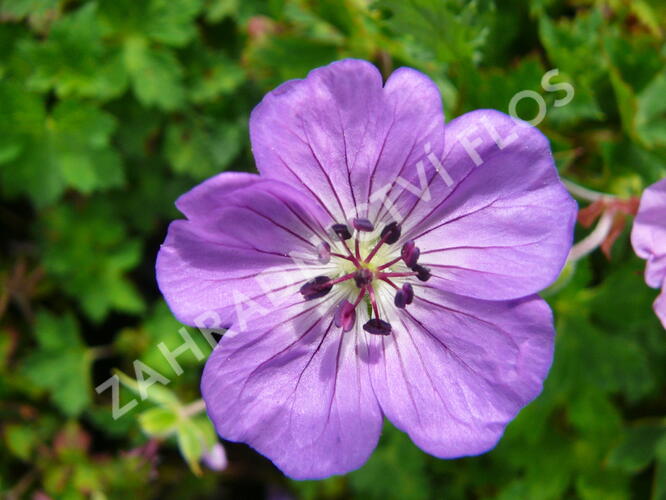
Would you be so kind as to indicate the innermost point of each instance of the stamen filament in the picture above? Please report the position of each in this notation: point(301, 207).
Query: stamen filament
point(396, 275)
point(351, 255)
point(386, 280)
point(340, 256)
point(341, 279)
point(390, 234)
point(377, 247)
point(371, 291)
point(359, 298)
point(389, 264)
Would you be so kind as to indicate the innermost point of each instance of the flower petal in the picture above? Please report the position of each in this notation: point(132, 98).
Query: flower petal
point(456, 370)
point(240, 250)
point(298, 392)
point(343, 137)
point(648, 235)
point(215, 458)
point(504, 228)
point(209, 195)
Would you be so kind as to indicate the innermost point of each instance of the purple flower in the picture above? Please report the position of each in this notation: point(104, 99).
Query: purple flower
point(215, 458)
point(381, 265)
point(648, 237)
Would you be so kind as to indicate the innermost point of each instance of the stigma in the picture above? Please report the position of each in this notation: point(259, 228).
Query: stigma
point(365, 265)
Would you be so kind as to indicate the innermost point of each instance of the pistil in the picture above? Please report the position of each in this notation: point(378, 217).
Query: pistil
point(364, 274)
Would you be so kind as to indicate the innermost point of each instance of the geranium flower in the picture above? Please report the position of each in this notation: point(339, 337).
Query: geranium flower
point(381, 265)
point(215, 458)
point(648, 237)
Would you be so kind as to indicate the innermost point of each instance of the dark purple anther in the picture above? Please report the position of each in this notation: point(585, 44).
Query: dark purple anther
point(316, 287)
point(324, 252)
point(363, 225)
point(345, 316)
point(391, 233)
point(377, 327)
point(363, 277)
point(408, 290)
point(410, 253)
point(342, 231)
point(400, 299)
point(423, 273)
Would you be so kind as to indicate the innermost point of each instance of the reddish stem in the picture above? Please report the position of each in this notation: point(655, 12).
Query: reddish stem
point(359, 298)
point(396, 275)
point(339, 280)
point(351, 255)
point(377, 247)
point(389, 264)
point(341, 256)
point(386, 280)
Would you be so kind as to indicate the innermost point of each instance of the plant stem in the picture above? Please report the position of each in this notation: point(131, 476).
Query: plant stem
point(193, 408)
point(592, 241)
point(584, 193)
point(101, 351)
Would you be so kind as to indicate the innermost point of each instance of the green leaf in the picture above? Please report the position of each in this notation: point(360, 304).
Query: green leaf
point(626, 102)
point(634, 63)
point(160, 326)
point(636, 59)
point(168, 22)
point(286, 56)
point(74, 60)
point(18, 9)
point(159, 421)
point(206, 430)
point(202, 147)
point(23, 113)
point(449, 30)
point(495, 88)
point(172, 21)
point(191, 444)
point(651, 113)
point(395, 470)
point(96, 279)
point(21, 440)
point(217, 10)
point(590, 356)
point(573, 45)
point(212, 75)
point(637, 448)
point(68, 148)
point(626, 159)
point(60, 364)
point(543, 475)
point(584, 410)
point(660, 447)
point(155, 73)
point(157, 393)
point(600, 484)
point(659, 489)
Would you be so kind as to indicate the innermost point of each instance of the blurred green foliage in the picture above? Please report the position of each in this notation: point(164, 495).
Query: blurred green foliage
point(110, 109)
